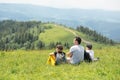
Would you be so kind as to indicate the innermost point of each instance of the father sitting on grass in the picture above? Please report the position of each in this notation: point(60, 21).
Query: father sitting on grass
point(76, 53)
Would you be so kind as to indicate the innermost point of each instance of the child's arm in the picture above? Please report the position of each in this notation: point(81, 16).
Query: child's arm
point(51, 53)
point(69, 54)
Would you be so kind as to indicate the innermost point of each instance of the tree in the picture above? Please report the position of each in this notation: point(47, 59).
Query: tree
point(66, 44)
point(27, 45)
point(97, 37)
point(40, 44)
point(52, 45)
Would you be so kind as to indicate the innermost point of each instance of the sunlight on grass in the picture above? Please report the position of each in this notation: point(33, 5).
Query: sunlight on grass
point(56, 34)
point(31, 65)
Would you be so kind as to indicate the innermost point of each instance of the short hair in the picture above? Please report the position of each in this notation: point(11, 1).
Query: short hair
point(59, 47)
point(78, 39)
point(89, 46)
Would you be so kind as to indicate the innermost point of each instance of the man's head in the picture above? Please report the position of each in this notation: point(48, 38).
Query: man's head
point(59, 48)
point(77, 40)
point(89, 46)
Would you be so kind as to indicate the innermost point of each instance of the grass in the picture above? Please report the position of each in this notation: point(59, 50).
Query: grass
point(31, 65)
point(56, 34)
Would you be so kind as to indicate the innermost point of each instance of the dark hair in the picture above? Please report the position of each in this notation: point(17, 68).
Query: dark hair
point(59, 47)
point(89, 46)
point(78, 39)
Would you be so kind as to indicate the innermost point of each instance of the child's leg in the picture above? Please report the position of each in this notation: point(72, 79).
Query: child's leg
point(68, 59)
point(96, 59)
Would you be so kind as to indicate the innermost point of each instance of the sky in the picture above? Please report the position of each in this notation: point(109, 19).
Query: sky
point(113, 5)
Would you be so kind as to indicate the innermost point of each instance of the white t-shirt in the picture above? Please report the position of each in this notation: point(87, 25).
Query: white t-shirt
point(91, 53)
point(77, 54)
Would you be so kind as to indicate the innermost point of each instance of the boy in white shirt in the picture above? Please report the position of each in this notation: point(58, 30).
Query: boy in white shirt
point(89, 54)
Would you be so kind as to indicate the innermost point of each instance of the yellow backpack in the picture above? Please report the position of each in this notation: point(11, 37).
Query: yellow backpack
point(51, 59)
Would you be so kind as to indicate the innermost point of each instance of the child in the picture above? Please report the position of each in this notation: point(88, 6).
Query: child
point(89, 54)
point(59, 56)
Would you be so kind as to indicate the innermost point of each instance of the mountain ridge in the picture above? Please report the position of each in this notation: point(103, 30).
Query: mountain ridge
point(37, 35)
point(94, 19)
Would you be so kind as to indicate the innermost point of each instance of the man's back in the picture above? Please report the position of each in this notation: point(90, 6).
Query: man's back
point(77, 54)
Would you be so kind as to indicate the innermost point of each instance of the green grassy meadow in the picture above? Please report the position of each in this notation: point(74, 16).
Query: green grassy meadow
point(31, 65)
point(56, 34)
point(59, 33)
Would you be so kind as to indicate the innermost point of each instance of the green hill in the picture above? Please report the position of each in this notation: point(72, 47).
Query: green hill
point(37, 35)
point(57, 33)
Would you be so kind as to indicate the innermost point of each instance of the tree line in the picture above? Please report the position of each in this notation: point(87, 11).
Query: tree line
point(20, 35)
point(95, 36)
point(24, 35)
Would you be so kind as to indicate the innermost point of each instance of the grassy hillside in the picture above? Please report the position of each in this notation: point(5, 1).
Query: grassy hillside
point(31, 65)
point(59, 33)
point(56, 34)
point(34, 35)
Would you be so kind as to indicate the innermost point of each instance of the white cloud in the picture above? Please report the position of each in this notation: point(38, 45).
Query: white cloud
point(85, 4)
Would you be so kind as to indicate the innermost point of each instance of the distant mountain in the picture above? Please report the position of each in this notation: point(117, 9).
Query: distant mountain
point(105, 22)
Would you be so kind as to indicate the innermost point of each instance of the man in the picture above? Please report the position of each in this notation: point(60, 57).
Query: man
point(76, 53)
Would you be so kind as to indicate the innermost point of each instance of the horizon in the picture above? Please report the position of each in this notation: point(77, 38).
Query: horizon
point(109, 5)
